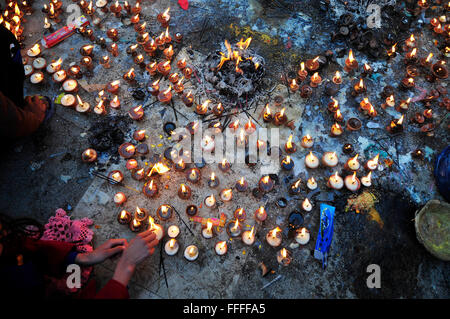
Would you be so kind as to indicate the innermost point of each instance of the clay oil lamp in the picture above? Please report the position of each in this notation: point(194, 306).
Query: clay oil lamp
point(100, 109)
point(164, 67)
point(90, 34)
point(287, 163)
point(101, 4)
point(127, 7)
point(81, 106)
point(248, 236)
point(280, 117)
point(171, 247)
point(184, 192)
point(168, 52)
point(135, 225)
point(136, 9)
point(353, 124)
point(274, 237)
point(423, 4)
point(359, 87)
point(439, 70)
point(124, 217)
point(302, 237)
point(119, 198)
point(131, 164)
point(213, 180)
point(426, 62)
point(180, 165)
point(352, 164)
point(75, 72)
point(139, 60)
point(290, 146)
point(207, 144)
point(87, 62)
point(330, 159)
point(367, 70)
point(142, 149)
point(438, 29)
point(87, 50)
point(224, 165)
point(267, 115)
point(138, 174)
point(367, 180)
point(241, 185)
point(126, 150)
point(315, 80)
point(116, 8)
point(411, 41)
point(240, 214)
point(372, 164)
point(335, 181)
point(294, 86)
point(372, 112)
point(191, 210)
point(68, 100)
point(143, 38)
point(337, 78)
point(37, 78)
point(302, 73)
point(389, 102)
point(164, 212)
point(160, 41)
point(188, 99)
point(234, 228)
point(221, 248)
point(164, 18)
point(28, 70)
point(352, 182)
point(60, 76)
point(266, 184)
point(418, 118)
point(306, 205)
point(48, 27)
point(311, 184)
point(34, 51)
point(70, 85)
point(311, 161)
point(306, 91)
point(178, 37)
point(53, 67)
point(167, 37)
point(113, 48)
point(428, 113)
point(392, 53)
point(295, 188)
point(154, 88)
point(338, 116)
point(89, 155)
point(333, 105)
point(336, 130)
point(411, 57)
point(165, 96)
point(210, 202)
point(179, 87)
point(132, 50)
point(260, 214)
point(136, 113)
point(115, 177)
point(202, 109)
point(218, 109)
point(278, 100)
point(347, 148)
point(250, 127)
point(226, 194)
point(155, 228)
point(350, 62)
point(150, 189)
point(307, 141)
point(191, 253)
point(113, 34)
point(115, 102)
point(187, 72)
point(193, 175)
point(174, 77)
point(312, 64)
point(130, 76)
point(181, 64)
point(396, 125)
point(104, 62)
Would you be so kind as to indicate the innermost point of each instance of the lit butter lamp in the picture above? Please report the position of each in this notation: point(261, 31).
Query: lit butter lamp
point(287, 163)
point(372, 164)
point(284, 257)
point(267, 115)
point(225, 165)
point(290, 146)
point(138, 174)
point(248, 236)
point(302, 237)
point(234, 228)
point(335, 181)
point(352, 164)
point(396, 126)
point(330, 159)
point(89, 155)
point(311, 184)
point(124, 217)
point(82, 107)
point(37, 77)
point(113, 87)
point(350, 62)
point(221, 248)
point(266, 184)
point(352, 182)
point(213, 180)
point(28, 70)
point(68, 100)
point(150, 189)
point(207, 232)
point(191, 253)
point(311, 161)
point(54, 66)
point(240, 214)
point(193, 175)
point(260, 214)
point(207, 144)
point(155, 228)
point(119, 198)
point(126, 150)
point(302, 73)
point(295, 187)
point(307, 205)
point(210, 202)
point(307, 141)
point(336, 130)
point(274, 237)
point(131, 164)
point(367, 180)
point(280, 117)
point(241, 185)
point(136, 113)
point(135, 225)
point(60, 76)
point(115, 175)
point(184, 192)
point(226, 194)
point(173, 231)
point(171, 247)
point(250, 127)
point(34, 51)
point(129, 76)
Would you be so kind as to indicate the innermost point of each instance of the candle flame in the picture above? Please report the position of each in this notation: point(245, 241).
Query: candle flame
point(350, 56)
point(252, 233)
point(123, 214)
point(302, 66)
point(241, 181)
point(266, 179)
point(354, 178)
point(166, 15)
point(400, 120)
point(172, 243)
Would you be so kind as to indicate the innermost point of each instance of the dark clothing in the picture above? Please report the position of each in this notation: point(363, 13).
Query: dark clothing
point(48, 258)
point(17, 118)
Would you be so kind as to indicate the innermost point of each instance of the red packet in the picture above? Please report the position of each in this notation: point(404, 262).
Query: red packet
point(63, 33)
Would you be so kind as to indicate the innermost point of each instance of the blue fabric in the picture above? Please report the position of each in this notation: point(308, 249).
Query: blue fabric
point(442, 173)
point(70, 259)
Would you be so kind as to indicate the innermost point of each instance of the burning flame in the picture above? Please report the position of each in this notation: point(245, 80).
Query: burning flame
point(400, 120)
point(354, 178)
point(241, 181)
point(160, 168)
point(243, 45)
point(213, 176)
point(275, 231)
point(350, 56)
point(428, 59)
point(297, 183)
point(266, 179)
point(172, 243)
point(166, 15)
point(123, 214)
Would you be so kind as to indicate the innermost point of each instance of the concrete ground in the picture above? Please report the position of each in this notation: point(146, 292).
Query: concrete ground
point(43, 172)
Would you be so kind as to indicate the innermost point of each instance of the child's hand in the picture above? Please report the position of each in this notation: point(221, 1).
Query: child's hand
point(102, 252)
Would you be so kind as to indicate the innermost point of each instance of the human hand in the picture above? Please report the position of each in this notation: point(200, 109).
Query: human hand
point(137, 250)
point(36, 105)
point(102, 252)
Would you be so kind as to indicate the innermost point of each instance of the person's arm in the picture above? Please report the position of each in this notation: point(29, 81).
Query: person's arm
point(18, 122)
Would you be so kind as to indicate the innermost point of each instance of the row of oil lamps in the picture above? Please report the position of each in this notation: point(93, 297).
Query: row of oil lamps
point(13, 16)
point(141, 219)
